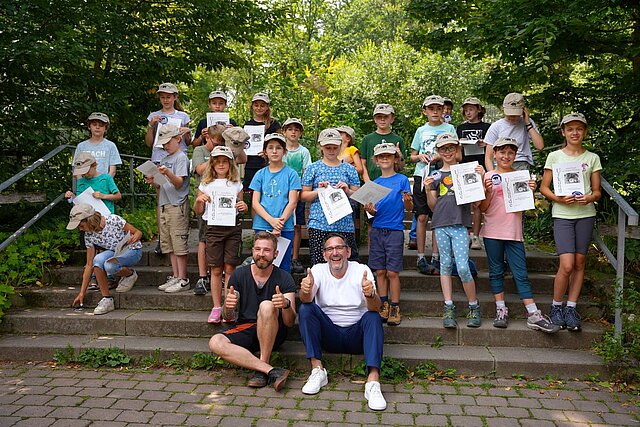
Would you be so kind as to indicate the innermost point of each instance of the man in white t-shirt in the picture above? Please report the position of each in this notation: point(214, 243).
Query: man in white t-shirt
point(340, 314)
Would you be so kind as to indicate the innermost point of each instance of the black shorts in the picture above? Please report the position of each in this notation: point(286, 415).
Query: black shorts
point(246, 335)
point(420, 205)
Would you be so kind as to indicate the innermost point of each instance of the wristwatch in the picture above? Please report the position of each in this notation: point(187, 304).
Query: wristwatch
point(288, 304)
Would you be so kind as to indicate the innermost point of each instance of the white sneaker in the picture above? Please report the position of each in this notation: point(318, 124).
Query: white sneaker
point(316, 381)
point(170, 281)
point(126, 283)
point(475, 242)
point(375, 399)
point(180, 285)
point(104, 306)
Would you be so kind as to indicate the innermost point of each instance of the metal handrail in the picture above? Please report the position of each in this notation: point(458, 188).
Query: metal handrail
point(626, 215)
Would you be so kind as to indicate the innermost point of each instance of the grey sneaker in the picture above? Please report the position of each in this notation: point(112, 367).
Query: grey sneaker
point(502, 318)
point(449, 316)
point(572, 319)
point(180, 285)
point(170, 281)
point(296, 267)
point(538, 322)
point(104, 306)
point(473, 316)
point(557, 316)
point(127, 282)
point(201, 287)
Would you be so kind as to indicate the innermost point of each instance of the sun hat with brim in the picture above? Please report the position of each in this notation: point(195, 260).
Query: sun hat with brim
point(235, 138)
point(329, 136)
point(573, 117)
point(98, 116)
point(274, 137)
point(385, 109)
point(78, 213)
point(446, 139)
point(472, 101)
point(348, 130)
point(218, 94)
point(222, 151)
point(432, 99)
point(261, 96)
point(167, 132)
point(384, 148)
point(83, 163)
point(513, 104)
point(167, 88)
point(292, 121)
point(505, 140)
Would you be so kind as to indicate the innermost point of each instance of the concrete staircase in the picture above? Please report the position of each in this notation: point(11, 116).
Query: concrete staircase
point(146, 319)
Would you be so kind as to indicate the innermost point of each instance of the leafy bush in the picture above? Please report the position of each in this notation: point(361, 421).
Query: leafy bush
point(144, 219)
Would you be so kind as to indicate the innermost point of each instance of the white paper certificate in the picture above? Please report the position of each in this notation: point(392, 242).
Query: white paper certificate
point(122, 245)
point(568, 179)
point(86, 198)
point(517, 194)
point(471, 147)
point(176, 121)
point(149, 168)
point(370, 192)
point(283, 244)
point(217, 119)
point(256, 140)
point(467, 183)
point(335, 204)
point(222, 209)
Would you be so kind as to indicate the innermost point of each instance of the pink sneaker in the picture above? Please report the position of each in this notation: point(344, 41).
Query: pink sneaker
point(215, 316)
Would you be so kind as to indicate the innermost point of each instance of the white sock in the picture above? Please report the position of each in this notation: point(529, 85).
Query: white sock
point(556, 302)
point(500, 304)
point(420, 256)
point(531, 308)
point(448, 302)
point(473, 302)
point(571, 304)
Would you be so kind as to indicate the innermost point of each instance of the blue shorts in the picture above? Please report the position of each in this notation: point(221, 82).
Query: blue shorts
point(385, 250)
point(299, 218)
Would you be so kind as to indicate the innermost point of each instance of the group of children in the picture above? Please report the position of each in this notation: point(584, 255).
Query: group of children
point(282, 179)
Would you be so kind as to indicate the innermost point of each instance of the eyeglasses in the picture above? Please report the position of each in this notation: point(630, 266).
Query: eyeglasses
point(338, 248)
point(448, 148)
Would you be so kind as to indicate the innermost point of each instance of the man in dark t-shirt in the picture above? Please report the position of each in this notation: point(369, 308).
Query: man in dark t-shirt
point(261, 297)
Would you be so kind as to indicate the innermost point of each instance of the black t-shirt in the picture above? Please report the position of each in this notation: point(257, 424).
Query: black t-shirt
point(251, 296)
point(255, 163)
point(203, 124)
point(472, 131)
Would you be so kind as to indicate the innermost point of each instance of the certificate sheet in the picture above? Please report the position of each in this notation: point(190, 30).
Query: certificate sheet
point(122, 245)
point(335, 204)
point(86, 197)
point(283, 245)
point(425, 174)
point(471, 147)
point(370, 192)
point(149, 168)
point(176, 121)
point(221, 210)
point(568, 179)
point(256, 140)
point(517, 194)
point(467, 183)
point(217, 119)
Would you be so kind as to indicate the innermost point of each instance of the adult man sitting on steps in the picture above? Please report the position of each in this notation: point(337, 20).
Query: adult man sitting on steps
point(340, 314)
point(262, 298)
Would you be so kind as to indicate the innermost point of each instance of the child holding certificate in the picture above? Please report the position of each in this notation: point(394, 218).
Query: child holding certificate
point(502, 234)
point(220, 183)
point(275, 194)
point(450, 222)
point(217, 104)
point(573, 219)
point(387, 231)
point(260, 116)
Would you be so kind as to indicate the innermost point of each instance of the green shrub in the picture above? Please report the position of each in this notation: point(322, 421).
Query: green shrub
point(93, 357)
point(144, 219)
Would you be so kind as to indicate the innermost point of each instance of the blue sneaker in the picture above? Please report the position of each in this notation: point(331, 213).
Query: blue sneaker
point(423, 266)
point(572, 319)
point(557, 316)
point(449, 316)
point(473, 316)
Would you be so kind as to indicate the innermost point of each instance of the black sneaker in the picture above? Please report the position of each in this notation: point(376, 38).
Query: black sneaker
point(201, 287)
point(296, 267)
point(557, 316)
point(502, 318)
point(158, 249)
point(572, 319)
point(277, 377)
point(258, 380)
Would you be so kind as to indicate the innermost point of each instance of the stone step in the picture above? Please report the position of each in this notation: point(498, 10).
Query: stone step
point(473, 360)
point(410, 280)
point(150, 323)
point(413, 303)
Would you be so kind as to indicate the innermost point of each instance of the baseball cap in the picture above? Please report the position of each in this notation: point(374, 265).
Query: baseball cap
point(472, 101)
point(277, 136)
point(83, 162)
point(292, 121)
point(235, 138)
point(168, 88)
point(218, 94)
point(505, 140)
point(167, 132)
point(385, 109)
point(513, 104)
point(261, 96)
point(573, 117)
point(349, 131)
point(384, 148)
point(447, 101)
point(329, 136)
point(78, 213)
point(446, 139)
point(222, 151)
point(433, 99)
point(98, 116)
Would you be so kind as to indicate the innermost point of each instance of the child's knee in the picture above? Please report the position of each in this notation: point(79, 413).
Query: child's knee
point(112, 267)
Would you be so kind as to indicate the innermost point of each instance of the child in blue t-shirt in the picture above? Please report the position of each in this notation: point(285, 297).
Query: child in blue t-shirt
point(275, 194)
point(387, 232)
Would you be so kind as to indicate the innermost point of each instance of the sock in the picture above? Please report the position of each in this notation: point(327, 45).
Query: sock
point(571, 304)
point(531, 308)
point(203, 277)
point(448, 302)
point(420, 256)
point(383, 299)
point(556, 302)
point(394, 304)
point(435, 257)
point(500, 304)
point(473, 303)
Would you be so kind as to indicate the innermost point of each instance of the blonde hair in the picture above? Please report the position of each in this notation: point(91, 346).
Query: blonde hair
point(215, 132)
point(93, 222)
point(210, 173)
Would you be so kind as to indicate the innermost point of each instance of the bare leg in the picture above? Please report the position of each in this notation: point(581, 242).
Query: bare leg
point(174, 265)
point(434, 244)
point(421, 232)
point(477, 220)
point(216, 286)
point(267, 329)
point(577, 277)
point(182, 266)
point(445, 284)
point(394, 285)
point(561, 281)
point(234, 354)
point(202, 259)
point(374, 375)
point(297, 238)
point(469, 289)
point(383, 283)
point(101, 278)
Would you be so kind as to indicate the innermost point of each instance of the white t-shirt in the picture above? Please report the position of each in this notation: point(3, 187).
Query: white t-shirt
point(341, 299)
point(219, 185)
point(519, 132)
